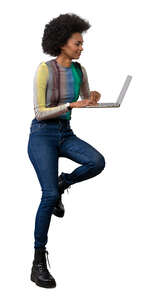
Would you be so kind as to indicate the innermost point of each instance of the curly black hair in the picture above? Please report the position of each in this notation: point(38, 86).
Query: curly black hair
point(59, 30)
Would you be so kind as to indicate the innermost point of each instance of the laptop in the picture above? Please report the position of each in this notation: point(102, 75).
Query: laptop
point(119, 99)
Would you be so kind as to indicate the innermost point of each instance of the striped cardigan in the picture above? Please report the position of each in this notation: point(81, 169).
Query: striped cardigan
point(55, 86)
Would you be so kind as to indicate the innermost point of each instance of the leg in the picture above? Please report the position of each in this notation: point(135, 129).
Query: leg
point(44, 157)
point(92, 161)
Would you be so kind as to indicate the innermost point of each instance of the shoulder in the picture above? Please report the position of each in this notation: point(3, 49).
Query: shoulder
point(84, 72)
point(42, 68)
point(79, 64)
point(83, 69)
point(41, 72)
point(42, 65)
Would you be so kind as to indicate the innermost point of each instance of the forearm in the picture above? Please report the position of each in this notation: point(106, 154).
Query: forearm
point(43, 113)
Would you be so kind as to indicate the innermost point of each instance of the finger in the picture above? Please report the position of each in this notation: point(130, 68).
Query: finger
point(98, 96)
point(91, 96)
point(94, 96)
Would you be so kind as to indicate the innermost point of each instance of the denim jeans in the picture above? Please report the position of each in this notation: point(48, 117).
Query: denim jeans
point(49, 140)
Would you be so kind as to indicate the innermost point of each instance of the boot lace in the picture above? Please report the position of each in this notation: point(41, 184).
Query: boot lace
point(43, 266)
point(47, 258)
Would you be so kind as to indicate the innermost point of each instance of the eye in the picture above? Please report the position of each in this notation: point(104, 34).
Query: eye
point(79, 44)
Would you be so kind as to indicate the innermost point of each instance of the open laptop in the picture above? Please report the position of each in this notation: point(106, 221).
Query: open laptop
point(119, 99)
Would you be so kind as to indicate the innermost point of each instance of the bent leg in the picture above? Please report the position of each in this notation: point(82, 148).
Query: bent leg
point(92, 161)
point(43, 155)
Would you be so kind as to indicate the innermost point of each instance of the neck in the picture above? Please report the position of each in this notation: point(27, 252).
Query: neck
point(64, 61)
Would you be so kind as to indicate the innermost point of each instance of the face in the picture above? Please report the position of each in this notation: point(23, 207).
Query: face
point(73, 47)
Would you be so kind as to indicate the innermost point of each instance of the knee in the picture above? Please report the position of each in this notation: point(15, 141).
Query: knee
point(99, 163)
point(49, 197)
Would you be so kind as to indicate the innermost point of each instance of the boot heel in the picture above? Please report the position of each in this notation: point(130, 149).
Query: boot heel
point(32, 278)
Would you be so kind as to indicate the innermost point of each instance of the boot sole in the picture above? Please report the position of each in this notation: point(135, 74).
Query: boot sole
point(49, 285)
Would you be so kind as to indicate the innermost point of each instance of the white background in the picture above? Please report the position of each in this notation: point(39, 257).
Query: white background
point(101, 248)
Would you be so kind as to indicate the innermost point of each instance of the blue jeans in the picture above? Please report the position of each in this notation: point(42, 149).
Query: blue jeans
point(49, 140)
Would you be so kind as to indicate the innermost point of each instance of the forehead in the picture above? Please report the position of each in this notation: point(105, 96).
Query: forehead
point(77, 40)
point(77, 37)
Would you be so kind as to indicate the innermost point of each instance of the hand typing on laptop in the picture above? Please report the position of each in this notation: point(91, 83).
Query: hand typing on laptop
point(94, 98)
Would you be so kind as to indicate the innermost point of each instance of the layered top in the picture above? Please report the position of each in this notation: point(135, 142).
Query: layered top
point(55, 86)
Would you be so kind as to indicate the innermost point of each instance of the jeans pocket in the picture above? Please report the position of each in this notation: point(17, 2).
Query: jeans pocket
point(37, 127)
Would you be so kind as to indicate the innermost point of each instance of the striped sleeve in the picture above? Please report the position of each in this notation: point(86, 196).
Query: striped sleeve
point(84, 88)
point(39, 91)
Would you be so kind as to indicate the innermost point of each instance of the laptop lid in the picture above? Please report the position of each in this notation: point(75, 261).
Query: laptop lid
point(119, 99)
point(124, 89)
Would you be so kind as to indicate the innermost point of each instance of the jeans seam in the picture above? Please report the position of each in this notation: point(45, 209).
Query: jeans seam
point(36, 161)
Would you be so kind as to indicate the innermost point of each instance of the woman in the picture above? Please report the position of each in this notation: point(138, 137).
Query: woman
point(57, 86)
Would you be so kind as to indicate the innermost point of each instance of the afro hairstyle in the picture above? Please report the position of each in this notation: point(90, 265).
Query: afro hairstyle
point(59, 30)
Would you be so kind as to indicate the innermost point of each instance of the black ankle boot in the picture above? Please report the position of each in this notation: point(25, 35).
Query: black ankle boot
point(59, 210)
point(39, 273)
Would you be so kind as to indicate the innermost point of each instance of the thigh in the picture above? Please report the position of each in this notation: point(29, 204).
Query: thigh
point(43, 154)
point(79, 151)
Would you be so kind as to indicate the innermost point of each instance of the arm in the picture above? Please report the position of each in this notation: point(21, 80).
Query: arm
point(84, 88)
point(85, 92)
point(40, 83)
